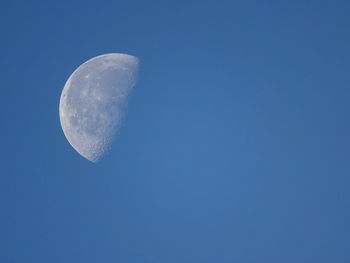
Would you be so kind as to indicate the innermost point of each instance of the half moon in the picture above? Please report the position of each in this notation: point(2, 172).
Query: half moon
point(93, 101)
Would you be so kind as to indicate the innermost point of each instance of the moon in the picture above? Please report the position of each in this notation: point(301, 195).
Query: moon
point(93, 101)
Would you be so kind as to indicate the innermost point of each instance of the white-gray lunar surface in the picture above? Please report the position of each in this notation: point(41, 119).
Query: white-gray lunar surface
point(93, 100)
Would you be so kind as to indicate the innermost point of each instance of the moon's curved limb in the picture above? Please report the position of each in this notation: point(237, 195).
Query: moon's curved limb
point(92, 102)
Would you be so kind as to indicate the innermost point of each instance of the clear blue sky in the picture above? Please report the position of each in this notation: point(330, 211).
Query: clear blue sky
point(235, 147)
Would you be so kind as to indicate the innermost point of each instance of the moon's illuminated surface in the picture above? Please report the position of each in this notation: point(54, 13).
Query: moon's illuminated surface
point(93, 100)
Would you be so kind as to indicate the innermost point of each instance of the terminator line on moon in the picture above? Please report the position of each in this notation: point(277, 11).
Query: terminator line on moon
point(93, 100)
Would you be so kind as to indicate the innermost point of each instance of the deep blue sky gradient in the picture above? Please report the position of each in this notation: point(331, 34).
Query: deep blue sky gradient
point(235, 147)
